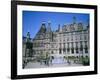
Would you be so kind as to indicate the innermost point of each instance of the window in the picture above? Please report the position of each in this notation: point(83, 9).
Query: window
point(72, 50)
point(76, 38)
point(72, 45)
point(64, 45)
point(59, 50)
point(64, 49)
point(77, 50)
point(80, 37)
point(86, 56)
point(86, 50)
point(72, 38)
point(52, 52)
point(52, 57)
point(76, 44)
point(85, 37)
point(85, 43)
point(64, 40)
point(68, 49)
point(77, 47)
point(81, 47)
point(67, 38)
point(68, 45)
point(52, 46)
point(64, 34)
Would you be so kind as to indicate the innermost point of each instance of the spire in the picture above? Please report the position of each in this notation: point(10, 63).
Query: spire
point(87, 23)
point(49, 26)
point(59, 28)
point(74, 19)
point(43, 24)
point(43, 27)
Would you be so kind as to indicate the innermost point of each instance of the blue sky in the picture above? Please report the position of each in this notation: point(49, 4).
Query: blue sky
point(32, 20)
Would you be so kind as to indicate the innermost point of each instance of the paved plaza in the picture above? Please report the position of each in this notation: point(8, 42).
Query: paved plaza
point(55, 63)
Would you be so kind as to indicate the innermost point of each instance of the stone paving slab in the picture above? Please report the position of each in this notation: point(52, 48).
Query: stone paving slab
point(38, 65)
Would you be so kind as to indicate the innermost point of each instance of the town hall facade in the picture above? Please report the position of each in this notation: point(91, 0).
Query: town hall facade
point(68, 41)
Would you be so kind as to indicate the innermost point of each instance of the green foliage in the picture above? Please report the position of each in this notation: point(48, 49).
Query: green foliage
point(85, 61)
point(44, 55)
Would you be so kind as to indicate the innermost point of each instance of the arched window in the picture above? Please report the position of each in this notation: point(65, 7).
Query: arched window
point(52, 52)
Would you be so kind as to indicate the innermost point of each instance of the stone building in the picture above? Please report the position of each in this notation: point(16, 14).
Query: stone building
point(69, 40)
